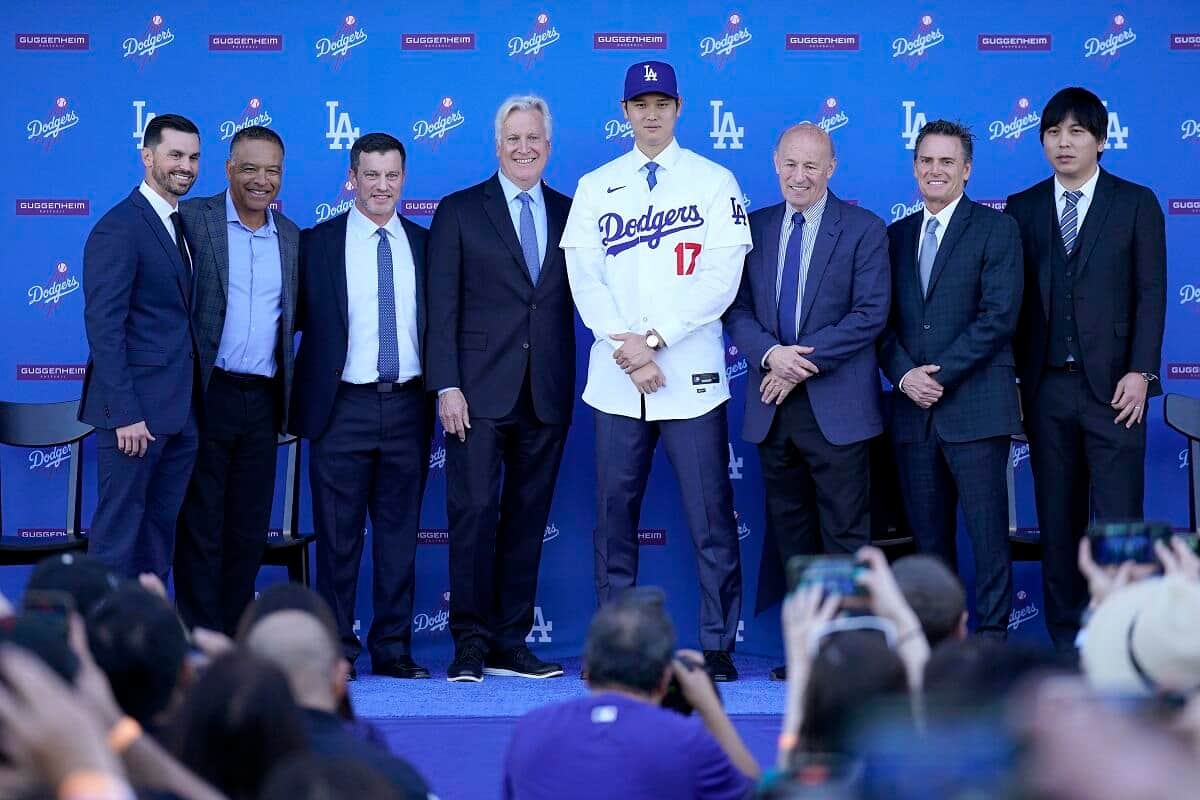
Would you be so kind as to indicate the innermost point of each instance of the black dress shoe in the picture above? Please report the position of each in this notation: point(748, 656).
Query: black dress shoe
point(520, 662)
point(467, 666)
point(779, 673)
point(403, 667)
point(720, 666)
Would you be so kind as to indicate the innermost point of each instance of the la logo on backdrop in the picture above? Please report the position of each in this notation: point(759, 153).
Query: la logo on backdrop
point(49, 295)
point(142, 49)
point(913, 122)
point(1106, 47)
point(528, 49)
point(445, 119)
point(913, 48)
point(1117, 133)
point(61, 118)
point(253, 114)
point(720, 49)
point(336, 49)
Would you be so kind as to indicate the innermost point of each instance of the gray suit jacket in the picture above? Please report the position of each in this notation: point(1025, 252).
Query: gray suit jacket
point(206, 224)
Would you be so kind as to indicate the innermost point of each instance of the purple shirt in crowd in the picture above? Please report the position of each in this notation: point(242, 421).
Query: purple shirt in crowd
point(609, 745)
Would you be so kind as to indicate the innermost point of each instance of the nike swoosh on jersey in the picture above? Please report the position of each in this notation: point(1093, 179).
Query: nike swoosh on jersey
point(612, 189)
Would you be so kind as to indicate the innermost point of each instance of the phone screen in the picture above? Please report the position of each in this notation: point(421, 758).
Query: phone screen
point(1114, 543)
point(834, 574)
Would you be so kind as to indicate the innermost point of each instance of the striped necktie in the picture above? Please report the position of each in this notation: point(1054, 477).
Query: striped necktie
point(1070, 220)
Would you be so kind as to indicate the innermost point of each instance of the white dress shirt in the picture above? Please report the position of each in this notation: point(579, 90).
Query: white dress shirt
point(1082, 205)
point(812, 225)
point(362, 296)
point(537, 206)
point(943, 218)
point(164, 211)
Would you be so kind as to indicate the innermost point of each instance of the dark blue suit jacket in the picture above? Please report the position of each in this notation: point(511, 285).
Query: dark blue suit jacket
point(964, 324)
point(844, 308)
point(323, 316)
point(137, 297)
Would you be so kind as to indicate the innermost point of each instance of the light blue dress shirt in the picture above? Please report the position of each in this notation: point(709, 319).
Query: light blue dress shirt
point(538, 207)
point(254, 301)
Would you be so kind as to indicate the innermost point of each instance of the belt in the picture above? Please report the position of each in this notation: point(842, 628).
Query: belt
point(385, 387)
point(1070, 366)
point(243, 379)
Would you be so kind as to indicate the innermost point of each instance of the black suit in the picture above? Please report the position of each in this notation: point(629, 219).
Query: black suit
point(958, 448)
point(370, 448)
point(509, 345)
point(1104, 306)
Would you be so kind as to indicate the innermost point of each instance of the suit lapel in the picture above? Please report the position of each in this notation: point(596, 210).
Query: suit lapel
point(556, 221)
point(1045, 220)
point(954, 231)
point(218, 234)
point(496, 209)
point(908, 272)
point(417, 246)
point(337, 275)
point(1094, 222)
point(160, 232)
point(289, 258)
point(827, 236)
point(769, 263)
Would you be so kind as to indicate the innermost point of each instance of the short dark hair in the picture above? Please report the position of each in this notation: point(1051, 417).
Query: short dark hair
point(256, 132)
point(945, 127)
point(162, 122)
point(934, 592)
point(376, 143)
point(1087, 109)
point(630, 642)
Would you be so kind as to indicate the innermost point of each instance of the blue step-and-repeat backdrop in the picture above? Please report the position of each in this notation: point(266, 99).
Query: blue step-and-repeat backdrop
point(84, 80)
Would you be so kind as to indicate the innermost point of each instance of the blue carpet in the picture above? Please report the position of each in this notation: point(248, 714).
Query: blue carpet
point(456, 734)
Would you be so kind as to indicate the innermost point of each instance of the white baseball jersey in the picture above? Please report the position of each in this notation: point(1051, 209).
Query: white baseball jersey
point(668, 260)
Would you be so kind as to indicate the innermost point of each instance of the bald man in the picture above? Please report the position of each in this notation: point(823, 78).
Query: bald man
point(814, 297)
point(301, 646)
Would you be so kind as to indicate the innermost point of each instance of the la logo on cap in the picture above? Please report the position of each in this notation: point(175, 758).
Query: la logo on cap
point(650, 75)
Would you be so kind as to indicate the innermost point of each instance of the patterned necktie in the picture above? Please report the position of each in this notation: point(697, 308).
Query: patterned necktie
point(789, 285)
point(651, 178)
point(389, 349)
point(928, 254)
point(1070, 220)
point(529, 241)
point(181, 240)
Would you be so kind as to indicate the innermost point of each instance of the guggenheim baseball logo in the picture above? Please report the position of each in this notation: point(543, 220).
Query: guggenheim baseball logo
point(528, 48)
point(1118, 36)
point(831, 116)
point(1186, 371)
point(336, 49)
point(1185, 41)
point(61, 118)
point(245, 42)
point(253, 114)
point(629, 41)
point(822, 41)
point(914, 47)
point(1008, 42)
point(48, 295)
point(1022, 119)
point(53, 41)
point(142, 49)
point(444, 120)
point(50, 372)
point(437, 41)
point(1184, 205)
point(53, 208)
point(720, 48)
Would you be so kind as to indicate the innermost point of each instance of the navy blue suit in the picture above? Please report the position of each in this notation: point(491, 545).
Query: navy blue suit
point(141, 367)
point(369, 448)
point(814, 447)
point(958, 448)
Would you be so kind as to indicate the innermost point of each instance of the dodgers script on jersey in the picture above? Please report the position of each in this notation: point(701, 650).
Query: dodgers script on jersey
point(667, 259)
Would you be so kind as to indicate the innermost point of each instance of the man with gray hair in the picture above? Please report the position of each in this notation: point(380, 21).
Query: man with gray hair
point(501, 355)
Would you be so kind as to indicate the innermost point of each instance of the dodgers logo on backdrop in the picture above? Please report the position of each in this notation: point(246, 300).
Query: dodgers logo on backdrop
point(617, 129)
point(743, 527)
point(1183, 458)
point(1189, 294)
point(252, 114)
point(831, 117)
point(60, 284)
point(142, 49)
point(720, 48)
point(926, 35)
point(437, 451)
point(1021, 119)
point(913, 122)
point(542, 628)
point(445, 119)
point(1116, 131)
point(724, 127)
point(342, 133)
point(141, 120)
point(902, 210)
point(618, 235)
point(1019, 454)
point(551, 533)
point(336, 49)
point(1119, 35)
point(49, 460)
point(528, 48)
point(435, 622)
point(1022, 614)
point(343, 203)
point(61, 118)
point(1189, 129)
point(735, 363)
point(735, 464)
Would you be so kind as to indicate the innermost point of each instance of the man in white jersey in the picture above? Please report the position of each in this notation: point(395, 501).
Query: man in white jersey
point(655, 244)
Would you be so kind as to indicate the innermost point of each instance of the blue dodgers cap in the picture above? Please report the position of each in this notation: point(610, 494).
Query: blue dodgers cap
point(650, 76)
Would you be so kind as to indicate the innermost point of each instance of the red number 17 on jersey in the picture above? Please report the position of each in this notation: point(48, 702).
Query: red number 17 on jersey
point(686, 264)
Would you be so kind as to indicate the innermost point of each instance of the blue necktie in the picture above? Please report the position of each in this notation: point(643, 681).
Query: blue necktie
point(928, 254)
point(529, 242)
point(389, 349)
point(1070, 219)
point(789, 286)
point(651, 178)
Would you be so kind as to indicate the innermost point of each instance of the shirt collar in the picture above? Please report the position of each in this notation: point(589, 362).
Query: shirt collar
point(511, 190)
point(160, 206)
point(812, 214)
point(1088, 189)
point(359, 226)
point(231, 216)
point(944, 216)
point(667, 159)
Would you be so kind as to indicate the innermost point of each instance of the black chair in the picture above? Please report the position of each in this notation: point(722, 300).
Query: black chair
point(290, 548)
point(1182, 414)
point(36, 425)
point(1023, 545)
